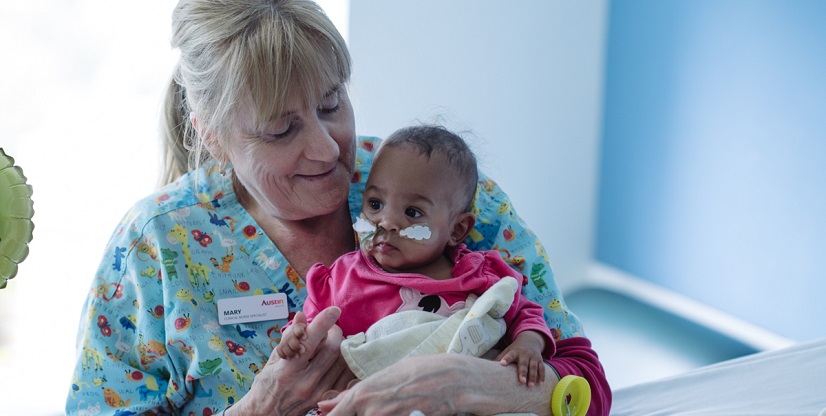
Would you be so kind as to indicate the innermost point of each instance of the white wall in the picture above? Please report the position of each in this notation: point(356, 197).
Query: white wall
point(525, 77)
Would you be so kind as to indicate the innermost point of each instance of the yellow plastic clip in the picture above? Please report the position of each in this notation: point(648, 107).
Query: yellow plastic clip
point(571, 397)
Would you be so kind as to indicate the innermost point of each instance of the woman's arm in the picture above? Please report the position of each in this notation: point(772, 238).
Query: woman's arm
point(443, 384)
point(294, 386)
point(122, 360)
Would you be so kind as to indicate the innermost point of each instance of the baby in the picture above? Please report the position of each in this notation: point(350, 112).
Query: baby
point(415, 217)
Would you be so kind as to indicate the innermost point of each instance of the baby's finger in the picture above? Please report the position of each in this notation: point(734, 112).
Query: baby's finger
point(299, 331)
point(281, 351)
point(540, 372)
point(507, 357)
point(294, 345)
point(316, 332)
point(285, 349)
point(522, 370)
point(533, 373)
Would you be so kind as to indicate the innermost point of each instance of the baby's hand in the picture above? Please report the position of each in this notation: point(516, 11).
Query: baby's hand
point(526, 352)
point(290, 344)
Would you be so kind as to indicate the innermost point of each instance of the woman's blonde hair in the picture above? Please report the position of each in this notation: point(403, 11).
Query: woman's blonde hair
point(262, 52)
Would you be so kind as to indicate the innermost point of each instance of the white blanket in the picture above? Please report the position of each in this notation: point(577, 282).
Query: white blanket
point(471, 331)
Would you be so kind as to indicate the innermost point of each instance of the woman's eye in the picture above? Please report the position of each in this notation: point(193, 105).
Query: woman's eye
point(279, 131)
point(330, 103)
point(374, 204)
point(413, 213)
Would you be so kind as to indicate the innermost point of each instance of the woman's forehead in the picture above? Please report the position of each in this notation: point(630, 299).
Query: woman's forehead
point(291, 83)
point(256, 112)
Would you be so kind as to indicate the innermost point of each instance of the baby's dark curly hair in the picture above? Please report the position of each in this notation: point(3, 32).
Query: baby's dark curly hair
point(432, 139)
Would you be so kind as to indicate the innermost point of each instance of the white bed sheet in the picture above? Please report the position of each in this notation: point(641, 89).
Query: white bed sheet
point(789, 381)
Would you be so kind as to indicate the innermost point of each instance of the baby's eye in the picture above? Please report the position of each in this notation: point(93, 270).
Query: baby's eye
point(374, 204)
point(413, 213)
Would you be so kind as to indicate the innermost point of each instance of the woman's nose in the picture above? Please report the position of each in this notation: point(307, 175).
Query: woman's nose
point(321, 145)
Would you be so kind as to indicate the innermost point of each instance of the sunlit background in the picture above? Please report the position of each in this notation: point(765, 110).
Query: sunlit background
point(672, 152)
point(81, 83)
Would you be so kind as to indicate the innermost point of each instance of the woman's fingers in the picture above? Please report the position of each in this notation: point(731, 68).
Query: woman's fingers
point(321, 360)
point(292, 386)
point(315, 332)
point(330, 401)
point(317, 329)
point(328, 356)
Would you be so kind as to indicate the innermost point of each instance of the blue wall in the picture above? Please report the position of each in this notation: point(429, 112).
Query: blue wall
point(713, 166)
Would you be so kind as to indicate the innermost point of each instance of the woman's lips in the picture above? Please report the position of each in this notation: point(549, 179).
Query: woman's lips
point(320, 176)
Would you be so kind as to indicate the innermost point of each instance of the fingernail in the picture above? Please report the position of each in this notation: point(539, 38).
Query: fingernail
point(328, 395)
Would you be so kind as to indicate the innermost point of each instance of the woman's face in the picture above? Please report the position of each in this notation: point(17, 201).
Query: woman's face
point(301, 164)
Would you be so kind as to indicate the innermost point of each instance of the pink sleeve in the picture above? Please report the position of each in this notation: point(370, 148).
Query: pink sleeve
point(574, 356)
point(523, 315)
point(319, 294)
point(567, 356)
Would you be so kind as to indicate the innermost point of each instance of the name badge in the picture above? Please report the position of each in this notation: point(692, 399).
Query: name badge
point(253, 308)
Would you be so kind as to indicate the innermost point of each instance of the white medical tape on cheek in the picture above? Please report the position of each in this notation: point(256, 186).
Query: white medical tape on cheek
point(416, 232)
point(365, 229)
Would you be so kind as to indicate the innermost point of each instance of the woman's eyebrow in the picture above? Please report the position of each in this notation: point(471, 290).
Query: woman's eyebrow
point(290, 113)
point(332, 91)
point(335, 89)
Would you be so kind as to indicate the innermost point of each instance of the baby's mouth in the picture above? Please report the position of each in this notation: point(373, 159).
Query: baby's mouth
point(383, 246)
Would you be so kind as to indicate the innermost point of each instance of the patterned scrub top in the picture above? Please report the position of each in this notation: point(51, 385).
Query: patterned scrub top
point(149, 339)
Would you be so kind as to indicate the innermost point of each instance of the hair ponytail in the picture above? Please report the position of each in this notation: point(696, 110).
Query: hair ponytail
point(176, 131)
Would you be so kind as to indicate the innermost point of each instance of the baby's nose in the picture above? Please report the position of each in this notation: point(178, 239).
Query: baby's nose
point(390, 223)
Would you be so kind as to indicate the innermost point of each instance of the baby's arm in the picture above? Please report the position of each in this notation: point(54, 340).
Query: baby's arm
point(290, 345)
point(526, 351)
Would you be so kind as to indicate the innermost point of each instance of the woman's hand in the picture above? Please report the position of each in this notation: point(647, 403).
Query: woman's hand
point(442, 384)
point(293, 386)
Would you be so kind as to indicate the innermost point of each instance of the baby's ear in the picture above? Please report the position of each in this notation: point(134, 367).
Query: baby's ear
point(461, 228)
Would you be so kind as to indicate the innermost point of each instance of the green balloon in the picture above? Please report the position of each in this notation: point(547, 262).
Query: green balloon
point(16, 211)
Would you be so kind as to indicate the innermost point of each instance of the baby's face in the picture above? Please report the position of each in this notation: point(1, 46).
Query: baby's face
point(407, 195)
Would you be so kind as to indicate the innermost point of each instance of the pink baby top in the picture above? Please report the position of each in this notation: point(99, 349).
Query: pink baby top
point(366, 293)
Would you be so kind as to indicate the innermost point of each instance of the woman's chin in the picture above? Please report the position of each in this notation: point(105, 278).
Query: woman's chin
point(319, 205)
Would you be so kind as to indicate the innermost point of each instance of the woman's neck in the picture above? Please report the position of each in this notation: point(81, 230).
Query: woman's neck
point(305, 242)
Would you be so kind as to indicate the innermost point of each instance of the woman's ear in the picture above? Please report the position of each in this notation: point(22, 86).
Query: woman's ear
point(211, 143)
point(461, 228)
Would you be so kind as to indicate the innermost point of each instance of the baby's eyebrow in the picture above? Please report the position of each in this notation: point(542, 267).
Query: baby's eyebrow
point(426, 199)
point(414, 196)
